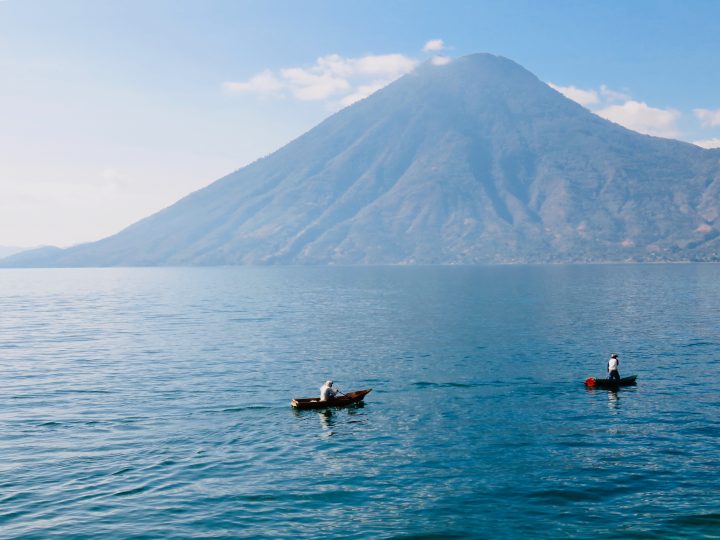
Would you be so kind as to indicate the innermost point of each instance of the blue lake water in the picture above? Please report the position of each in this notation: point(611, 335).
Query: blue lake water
point(155, 403)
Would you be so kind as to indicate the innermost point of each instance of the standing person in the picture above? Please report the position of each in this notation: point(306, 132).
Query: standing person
point(613, 373)
point(327, 391)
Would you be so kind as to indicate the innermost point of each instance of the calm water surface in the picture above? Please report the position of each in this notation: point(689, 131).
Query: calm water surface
point(154, 403)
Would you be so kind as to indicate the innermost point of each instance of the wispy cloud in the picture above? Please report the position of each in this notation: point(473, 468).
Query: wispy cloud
point(440, 60)
point(331, 77)
point(708, 143)
point(613, 96)
point(262, 83)
point(362, 92)
point(586, 98)
point(707, 117)
point(335, 79)
point(313, 85)
point(640, 117)
point(619, 107)
point(434, 45)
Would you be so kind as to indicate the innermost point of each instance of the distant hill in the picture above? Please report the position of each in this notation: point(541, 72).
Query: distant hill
point(476, 161)
point(6, 251)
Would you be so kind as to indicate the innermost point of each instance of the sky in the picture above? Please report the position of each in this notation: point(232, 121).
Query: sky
point(113, 110)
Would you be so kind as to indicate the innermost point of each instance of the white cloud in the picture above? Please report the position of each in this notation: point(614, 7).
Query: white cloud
point(330, 77)
point(440, 60)
point(613, 96)
point(389, 65)
point(434, 45)
point(640, 117)
point(583, 97)
point(707, 117)
point(362, 92)
point(708, 143)
point(262, 83)
point(619, 107)
point(308, 86)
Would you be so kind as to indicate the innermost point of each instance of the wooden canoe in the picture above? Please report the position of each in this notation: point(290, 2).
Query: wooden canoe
point(592, 382)
point(342, 401)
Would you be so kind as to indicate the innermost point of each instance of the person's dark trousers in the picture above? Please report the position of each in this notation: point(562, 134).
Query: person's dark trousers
point(614, 375)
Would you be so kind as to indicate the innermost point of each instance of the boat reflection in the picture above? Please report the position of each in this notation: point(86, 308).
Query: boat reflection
point(333, 419)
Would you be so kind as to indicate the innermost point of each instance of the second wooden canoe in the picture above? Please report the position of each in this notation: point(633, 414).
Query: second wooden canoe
point(592, 382)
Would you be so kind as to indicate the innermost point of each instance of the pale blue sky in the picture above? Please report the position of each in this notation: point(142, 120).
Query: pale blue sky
point(111, 110)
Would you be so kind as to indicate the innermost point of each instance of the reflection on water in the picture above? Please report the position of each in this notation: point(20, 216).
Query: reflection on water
point(326, 420)
point(613, 395)
point(613, 401)
point(331, 417)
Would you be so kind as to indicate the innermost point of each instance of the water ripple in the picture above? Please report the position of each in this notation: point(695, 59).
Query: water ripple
point(154, 403)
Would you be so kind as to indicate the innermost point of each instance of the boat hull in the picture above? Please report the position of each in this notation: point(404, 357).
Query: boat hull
point(593, 382)
point(314, 403)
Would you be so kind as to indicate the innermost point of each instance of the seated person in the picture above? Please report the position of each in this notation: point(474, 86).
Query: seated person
point(327, 391)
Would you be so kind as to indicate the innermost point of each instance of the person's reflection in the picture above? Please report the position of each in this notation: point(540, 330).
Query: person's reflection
point(327, 421)
point(613, 400)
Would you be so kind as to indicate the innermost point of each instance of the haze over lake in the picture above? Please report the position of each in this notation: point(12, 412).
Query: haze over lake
point(155, 402)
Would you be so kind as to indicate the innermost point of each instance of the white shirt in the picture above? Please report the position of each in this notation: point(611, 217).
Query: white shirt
point(327, 392)
point(612, 364)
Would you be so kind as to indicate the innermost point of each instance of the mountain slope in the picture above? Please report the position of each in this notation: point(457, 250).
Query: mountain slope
point(6, 251)
point(473, 162)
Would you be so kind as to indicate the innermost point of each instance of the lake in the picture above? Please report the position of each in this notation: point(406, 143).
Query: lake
point(155, 402)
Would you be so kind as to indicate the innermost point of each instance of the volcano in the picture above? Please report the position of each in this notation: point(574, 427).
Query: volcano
point(473, 162)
